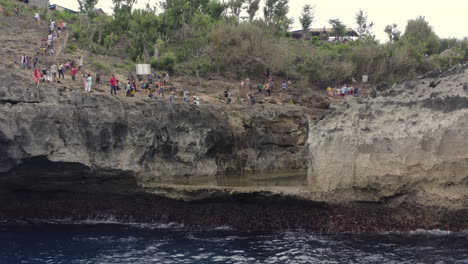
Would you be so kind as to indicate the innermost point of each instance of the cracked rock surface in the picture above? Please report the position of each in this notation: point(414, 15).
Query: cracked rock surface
point(408, 143)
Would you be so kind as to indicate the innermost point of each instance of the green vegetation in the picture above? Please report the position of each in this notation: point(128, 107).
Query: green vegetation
point(10, 6)
point(206, 37)
point(307, 17)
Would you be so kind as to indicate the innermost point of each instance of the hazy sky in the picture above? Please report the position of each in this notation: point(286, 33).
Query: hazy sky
point(449, 17)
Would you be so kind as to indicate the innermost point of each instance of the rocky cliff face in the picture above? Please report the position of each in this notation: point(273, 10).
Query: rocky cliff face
point(395, 161)
point(94, 137)
point(408, 143)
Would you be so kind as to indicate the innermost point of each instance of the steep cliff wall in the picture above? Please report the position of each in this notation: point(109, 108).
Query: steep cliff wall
point(43, 129)
point(409, 142)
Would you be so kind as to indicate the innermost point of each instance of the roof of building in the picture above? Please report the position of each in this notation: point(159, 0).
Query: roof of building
point(54, 7)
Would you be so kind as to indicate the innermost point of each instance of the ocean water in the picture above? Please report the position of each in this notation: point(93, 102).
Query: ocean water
point(90, 242)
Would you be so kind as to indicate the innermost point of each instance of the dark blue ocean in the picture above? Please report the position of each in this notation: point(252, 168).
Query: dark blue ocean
point(91, 242)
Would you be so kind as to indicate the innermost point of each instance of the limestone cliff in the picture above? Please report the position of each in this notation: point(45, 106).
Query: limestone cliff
point(148, 140)
point(407, 143)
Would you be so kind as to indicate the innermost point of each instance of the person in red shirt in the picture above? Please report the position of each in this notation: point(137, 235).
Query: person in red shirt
point(113, 83)
point(73, 72)
point(37, 76)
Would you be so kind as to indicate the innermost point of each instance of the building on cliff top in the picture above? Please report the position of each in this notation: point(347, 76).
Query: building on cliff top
point(62, 8)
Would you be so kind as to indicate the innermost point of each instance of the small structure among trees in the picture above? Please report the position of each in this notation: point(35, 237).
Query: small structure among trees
point(348, 33)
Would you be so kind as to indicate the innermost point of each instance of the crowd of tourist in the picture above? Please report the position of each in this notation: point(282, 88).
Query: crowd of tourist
point(55, 72)
point(343, 90)
point(153, 85)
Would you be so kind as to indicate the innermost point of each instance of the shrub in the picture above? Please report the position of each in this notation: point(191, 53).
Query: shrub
point(104, 68)
point(71, 48)
point(242, 49)
point(165, 63)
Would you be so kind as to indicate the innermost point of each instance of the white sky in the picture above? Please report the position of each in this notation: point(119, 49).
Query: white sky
point(449, 18)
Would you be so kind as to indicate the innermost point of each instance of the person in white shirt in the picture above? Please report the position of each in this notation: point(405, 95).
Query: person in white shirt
point(89, 82)
point(53, 71)
point(80, 63)
point(186, 93)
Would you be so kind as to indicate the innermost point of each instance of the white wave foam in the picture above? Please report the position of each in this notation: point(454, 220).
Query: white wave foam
point(434, 232)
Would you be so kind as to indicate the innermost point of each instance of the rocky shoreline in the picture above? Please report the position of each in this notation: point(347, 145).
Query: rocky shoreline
point(247, 211)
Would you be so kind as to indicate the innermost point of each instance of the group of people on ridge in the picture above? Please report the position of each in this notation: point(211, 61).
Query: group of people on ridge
point(343, 90)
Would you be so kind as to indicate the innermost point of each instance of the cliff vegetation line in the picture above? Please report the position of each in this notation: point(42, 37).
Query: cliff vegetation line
point(207, 38)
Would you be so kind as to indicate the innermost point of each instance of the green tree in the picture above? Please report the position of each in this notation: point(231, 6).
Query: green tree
point(339, 29)
point(143, 34)
point(280, 18)
point(418, 31)
point(236, 7)
point(86, 6)
point(215, 9)
point(252, 8)
point(393, 32)
point(364, 27)
point(128, 4)
point(307, 18)
point(178, 13)
point(269, 11)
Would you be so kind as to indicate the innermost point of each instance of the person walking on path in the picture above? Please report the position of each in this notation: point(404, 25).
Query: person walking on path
point(89, 82)
point(113, 83)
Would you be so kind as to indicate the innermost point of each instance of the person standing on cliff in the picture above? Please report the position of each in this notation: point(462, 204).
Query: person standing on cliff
point(133, 82)
point(113, 83)
point(98, 78)
point(161, 90)
point(24, 61)
point(186, 93)
point(73, 72)
point(80, 63)
point(35, 61)
point(60, 71)
point(252, 99)
point(172, 97)
point(128, 88)
point(37, 76)
point(53, 71)
point(89, 82)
